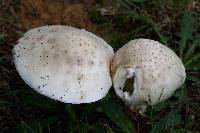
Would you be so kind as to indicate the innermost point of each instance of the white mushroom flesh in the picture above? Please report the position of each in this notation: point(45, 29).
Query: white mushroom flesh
point(145, 72)
point(64, 63)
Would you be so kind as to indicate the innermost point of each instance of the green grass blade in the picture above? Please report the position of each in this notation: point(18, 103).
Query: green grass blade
point(191, 49)
point(114, 111)
point(128, 3)
point(195, 79)
point(194, 66)
point(195, 58)
point(187, 26)
point(35, 126)
point(181, 131)
point(42, 102)
point(2, 38)
point(167, 122)
point(124, 5)
point(70, 112)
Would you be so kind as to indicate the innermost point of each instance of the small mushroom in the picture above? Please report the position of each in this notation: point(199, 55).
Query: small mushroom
point(145, 72)
point(64, 63)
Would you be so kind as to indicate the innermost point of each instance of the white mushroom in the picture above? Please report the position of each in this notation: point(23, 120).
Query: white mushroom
point(145, 72)
point(64, 63)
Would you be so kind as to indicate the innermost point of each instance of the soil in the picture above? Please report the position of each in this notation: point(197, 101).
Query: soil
point(47, 12)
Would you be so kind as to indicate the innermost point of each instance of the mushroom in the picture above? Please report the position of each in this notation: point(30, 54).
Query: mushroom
point(145, 72)
point(64, 63)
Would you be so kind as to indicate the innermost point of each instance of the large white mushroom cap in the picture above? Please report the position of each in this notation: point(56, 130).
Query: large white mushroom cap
point(146, 72)
point(64, 63)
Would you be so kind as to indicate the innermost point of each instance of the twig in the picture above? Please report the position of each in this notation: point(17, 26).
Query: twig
point(197, 98)
point(191, 111)
point(8, 21)
point(5, 7)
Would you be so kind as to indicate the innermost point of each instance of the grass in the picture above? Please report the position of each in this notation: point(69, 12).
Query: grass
point(169, 21)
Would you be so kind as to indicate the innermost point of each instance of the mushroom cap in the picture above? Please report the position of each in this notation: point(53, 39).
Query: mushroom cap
point(145, 72)
point(64, 63)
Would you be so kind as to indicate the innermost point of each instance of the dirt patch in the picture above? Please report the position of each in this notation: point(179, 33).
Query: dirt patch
point(35, 13)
